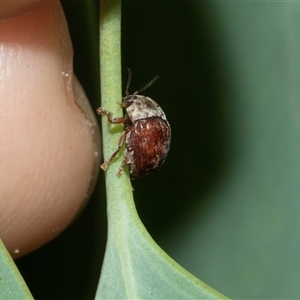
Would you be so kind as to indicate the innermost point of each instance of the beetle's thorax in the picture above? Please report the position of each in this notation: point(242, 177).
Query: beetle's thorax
point(141, 107)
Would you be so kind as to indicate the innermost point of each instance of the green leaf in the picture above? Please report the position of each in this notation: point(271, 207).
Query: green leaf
point(12, 285)
point(134, 266)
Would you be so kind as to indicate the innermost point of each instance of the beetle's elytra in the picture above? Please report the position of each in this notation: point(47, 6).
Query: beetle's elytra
point(147, 133)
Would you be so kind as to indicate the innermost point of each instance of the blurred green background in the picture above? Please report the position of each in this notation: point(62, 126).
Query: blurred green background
point(225, 205)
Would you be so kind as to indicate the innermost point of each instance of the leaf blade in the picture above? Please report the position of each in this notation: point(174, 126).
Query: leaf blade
point(12, 284)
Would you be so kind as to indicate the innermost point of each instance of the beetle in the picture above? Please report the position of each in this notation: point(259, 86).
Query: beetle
point(147, 133)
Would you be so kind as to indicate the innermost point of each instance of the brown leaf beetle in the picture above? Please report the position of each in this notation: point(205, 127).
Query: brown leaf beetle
point(147, 133)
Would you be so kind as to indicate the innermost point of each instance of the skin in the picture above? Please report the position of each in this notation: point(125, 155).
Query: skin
point(49, 146)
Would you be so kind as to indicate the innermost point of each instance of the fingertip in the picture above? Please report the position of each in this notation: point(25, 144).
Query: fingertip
point(50, 139)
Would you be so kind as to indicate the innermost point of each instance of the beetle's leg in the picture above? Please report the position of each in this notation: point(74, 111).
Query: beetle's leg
point(105, 165)
point(120, 171)
point(119, 120)
point(127, 158)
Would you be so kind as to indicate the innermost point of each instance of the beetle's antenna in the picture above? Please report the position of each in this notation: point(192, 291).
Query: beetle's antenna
point(147, 85)
point(128, 82)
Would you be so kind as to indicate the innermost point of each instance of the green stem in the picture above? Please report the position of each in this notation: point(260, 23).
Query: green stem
point(111, 94)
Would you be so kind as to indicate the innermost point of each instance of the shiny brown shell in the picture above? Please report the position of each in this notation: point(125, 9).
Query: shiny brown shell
point(147, 145)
